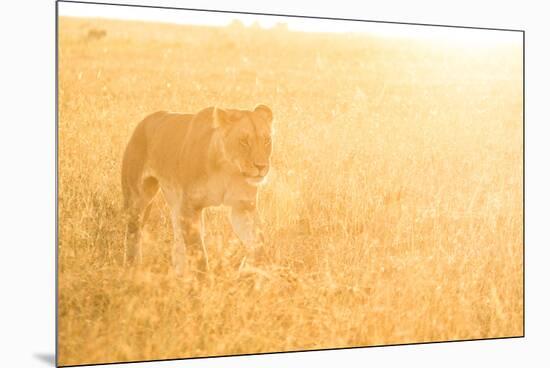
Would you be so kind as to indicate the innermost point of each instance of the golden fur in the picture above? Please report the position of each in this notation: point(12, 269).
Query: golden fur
point(217, 156)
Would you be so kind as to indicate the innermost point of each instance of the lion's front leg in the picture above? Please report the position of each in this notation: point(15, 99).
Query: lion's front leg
point(246, 224)
point(188, 233)
point(191, 226)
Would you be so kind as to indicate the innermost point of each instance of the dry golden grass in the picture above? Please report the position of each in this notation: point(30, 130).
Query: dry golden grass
point(393, 213)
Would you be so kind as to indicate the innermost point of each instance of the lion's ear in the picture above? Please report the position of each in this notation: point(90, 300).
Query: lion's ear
point(264, 112)
point(221, 117)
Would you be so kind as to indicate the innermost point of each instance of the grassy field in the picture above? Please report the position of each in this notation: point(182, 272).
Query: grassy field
point(393, 213)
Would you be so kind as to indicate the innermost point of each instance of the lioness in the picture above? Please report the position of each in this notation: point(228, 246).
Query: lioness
point(217, 156)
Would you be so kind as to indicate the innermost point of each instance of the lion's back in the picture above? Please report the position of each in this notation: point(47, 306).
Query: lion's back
point(172, 145)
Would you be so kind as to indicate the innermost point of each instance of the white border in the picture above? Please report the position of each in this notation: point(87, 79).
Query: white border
point(27, 185)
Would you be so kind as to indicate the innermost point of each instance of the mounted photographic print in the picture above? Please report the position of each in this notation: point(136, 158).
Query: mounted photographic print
point(235, 183)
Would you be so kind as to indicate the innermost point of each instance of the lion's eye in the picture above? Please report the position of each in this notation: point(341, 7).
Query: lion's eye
point(244, 142)
point(267, 141)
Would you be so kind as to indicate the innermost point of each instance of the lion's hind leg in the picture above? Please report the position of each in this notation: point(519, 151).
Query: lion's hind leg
point(138, 205)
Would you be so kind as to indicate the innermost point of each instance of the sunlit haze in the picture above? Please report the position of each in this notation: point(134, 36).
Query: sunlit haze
point(447, 34)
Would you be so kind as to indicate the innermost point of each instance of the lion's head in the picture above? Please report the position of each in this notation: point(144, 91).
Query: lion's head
point(246, 140)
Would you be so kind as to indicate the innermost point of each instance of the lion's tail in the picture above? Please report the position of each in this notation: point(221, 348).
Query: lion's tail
point(133, 160)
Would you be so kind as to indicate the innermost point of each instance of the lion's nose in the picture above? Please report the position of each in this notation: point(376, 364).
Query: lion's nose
point(260, 166)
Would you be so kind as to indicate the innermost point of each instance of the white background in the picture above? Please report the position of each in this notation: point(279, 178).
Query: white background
point(27, 223)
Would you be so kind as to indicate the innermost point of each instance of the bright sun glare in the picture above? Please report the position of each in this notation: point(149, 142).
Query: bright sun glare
point(447, 34)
